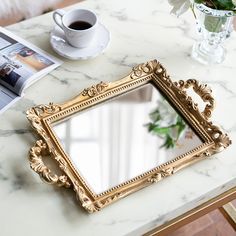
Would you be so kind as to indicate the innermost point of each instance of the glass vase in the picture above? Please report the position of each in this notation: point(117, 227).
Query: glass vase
point(214, 27)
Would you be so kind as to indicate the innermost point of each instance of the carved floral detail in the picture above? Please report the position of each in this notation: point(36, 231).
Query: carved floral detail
point(220, 138)
point(142, 70)
point(46, 109)
point(204, 154)
point(87, 203)
point(35, 114)
point(114, 197)
point(36, 123)
point(151, 67)
point(36, 153)
point(59, 158)
point(160, 175)
point(203, 90)
point(95, 89)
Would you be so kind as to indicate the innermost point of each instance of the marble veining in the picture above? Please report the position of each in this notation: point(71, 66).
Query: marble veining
point(7, 133)
point(140, 31)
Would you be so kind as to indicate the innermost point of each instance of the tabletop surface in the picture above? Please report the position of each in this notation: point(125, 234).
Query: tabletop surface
point(140, 31)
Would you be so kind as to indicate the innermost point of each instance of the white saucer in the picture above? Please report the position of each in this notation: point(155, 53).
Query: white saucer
point(98, 45)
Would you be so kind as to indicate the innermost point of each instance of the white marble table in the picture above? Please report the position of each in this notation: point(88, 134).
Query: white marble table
point(140, 31)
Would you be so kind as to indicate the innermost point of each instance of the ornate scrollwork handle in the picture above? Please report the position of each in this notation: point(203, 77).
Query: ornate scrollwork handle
point(202, 90)
point(36, 153)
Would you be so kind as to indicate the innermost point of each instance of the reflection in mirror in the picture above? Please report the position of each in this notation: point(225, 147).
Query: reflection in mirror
point(125, 137)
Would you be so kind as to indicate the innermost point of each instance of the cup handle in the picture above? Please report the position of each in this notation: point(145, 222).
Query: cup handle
point(57, 17)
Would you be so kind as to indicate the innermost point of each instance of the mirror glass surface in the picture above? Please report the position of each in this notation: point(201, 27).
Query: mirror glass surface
point(124, 137)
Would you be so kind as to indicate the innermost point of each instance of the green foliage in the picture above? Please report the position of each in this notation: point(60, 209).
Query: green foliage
point(218, 4)
point(224, 4)
point(169, 142)
point(199, 1)
point(170, 133)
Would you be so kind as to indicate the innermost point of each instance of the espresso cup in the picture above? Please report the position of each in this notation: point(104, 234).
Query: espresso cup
point(71, 23)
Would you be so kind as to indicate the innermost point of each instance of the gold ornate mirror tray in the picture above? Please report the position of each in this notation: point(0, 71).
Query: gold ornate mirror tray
point(116, 138)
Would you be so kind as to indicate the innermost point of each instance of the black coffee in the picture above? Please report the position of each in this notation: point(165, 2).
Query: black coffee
point(80, 25)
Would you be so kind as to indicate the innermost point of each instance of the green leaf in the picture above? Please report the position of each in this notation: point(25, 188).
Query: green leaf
point(180, 130)
point(151, 126)
point(155, 116)
point(161, 130)
point(169, 142)
point(199, 1)
point(225, 4)
point(180, 126)
point(179, 120)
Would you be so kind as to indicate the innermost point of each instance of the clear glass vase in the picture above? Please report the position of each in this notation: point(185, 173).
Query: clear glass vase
point(214, 27)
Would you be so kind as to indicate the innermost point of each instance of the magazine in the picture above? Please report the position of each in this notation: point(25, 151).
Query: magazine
point(21, 64)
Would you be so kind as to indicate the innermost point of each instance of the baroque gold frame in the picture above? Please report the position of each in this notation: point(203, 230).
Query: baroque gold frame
point(41, 117)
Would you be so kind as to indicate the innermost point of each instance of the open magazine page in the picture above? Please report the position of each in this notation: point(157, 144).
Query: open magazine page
point(7, 98)
point(21, 63)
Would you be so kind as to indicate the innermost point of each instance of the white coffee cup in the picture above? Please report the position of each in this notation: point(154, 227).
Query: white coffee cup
point(78, 38)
